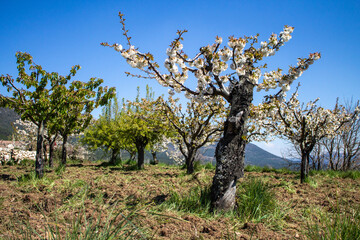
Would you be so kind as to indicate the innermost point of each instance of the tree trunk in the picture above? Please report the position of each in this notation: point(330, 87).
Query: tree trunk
point(141, 154)
point(230, 151)
point(51, 154)
point(45, 153)
point(307, 166)
point(189, 161)
point(303, 167)
point(114, 154)
point(63, 153)
point(39, 163)
point(155, 160)
point(313, 164)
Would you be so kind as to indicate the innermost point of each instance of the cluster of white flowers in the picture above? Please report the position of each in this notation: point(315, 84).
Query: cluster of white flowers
point(132, 57)
point(212, 64)
point(291, 120)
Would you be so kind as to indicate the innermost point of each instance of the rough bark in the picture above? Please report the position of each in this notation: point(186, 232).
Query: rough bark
point(189, 161)
point(64, 152)
point(45, 153)
point(303, 167)
point(52, 142)
point(39, 163)
point(51, 154)
point(140, 146)
point(155, 161)
point(230, 151)
point(113, 158)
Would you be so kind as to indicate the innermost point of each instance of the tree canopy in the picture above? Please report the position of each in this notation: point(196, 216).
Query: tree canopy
point(46, 99)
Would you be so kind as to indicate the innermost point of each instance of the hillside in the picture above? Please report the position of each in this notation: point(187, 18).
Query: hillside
point(7, 116)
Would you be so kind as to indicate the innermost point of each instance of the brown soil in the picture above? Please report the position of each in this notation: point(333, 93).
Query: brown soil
point(96, 191)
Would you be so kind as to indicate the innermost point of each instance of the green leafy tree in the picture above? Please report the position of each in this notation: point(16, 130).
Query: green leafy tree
point(45, 100)
point(143, 123)
point(82, 98)
point(106, 132)
point(39, 101)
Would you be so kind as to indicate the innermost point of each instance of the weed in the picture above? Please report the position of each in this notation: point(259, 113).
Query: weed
point(27, 162)
point(311, 181)
point(255, 201)
point(197, 166)
point(209, 166)
point(197, 201)
point(288, 186)
point(31, 181)
point(60, 169)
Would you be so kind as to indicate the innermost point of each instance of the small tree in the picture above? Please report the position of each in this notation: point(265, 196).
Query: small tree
point(46, 99)
point(201, 124)
point(142, 123)
point(343, 150)
point(105, 132)
point(39, 102)
point(304, 126)
point(82, 98)
point(236, 86)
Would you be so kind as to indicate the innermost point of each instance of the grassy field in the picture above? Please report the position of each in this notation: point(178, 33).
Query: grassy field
point(93, 201)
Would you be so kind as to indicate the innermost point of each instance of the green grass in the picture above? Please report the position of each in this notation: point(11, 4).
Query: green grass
point(253, 168)
point(311, 181)
point(30, 181)
point(115, 226)
point(352, 174)
point(197, 201)
point(256, 201)
point(337, 226)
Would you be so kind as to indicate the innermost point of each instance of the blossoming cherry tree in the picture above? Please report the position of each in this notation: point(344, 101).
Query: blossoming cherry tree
point(231, 71)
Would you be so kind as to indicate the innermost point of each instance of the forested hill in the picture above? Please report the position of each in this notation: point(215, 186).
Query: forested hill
point(7, 116)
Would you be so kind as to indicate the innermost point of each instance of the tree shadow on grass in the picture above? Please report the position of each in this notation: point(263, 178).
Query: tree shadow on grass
point(7, 177)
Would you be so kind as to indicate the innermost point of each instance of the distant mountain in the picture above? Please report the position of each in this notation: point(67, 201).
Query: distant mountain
point(253, 156)
point(7, 116)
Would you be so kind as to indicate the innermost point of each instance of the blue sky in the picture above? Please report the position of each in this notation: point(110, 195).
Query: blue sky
point(60, 34)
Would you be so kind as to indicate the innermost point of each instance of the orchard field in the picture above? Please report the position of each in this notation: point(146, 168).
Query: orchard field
point(94, 201)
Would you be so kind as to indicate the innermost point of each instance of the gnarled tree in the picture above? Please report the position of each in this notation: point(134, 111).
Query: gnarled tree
point(231, 72)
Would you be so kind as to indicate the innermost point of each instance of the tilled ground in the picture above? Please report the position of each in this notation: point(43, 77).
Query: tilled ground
point(94, 191)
